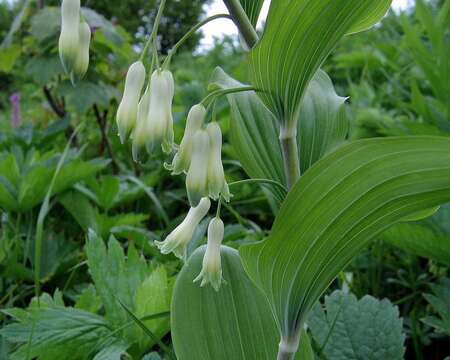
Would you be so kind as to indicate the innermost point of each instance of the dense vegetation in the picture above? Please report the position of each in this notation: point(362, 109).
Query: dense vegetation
point(79, 217)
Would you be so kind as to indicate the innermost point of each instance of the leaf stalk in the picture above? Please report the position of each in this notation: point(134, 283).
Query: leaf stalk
point(242, 21)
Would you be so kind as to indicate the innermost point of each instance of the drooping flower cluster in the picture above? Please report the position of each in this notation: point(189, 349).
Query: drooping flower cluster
point(200, 157)
point(74, 40)
point(147, 119)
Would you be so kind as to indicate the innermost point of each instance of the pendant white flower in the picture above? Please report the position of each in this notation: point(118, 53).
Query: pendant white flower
point(82, 60)
point(156, 129)
point(128, 107)
point(194, 122)
point(196, 179)
point(178, 239)
point(211, 272)
point(217, 184)
point(69, 37)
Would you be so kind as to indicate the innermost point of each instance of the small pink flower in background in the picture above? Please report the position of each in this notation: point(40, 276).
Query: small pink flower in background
point(15, 109)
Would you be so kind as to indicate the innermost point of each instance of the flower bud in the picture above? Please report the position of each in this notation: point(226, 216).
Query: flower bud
point(216, 177)
point(178, 239)
point(140, 131)
point(182, 159)
point(196, 179)
point(160, 111)
point(127, 111)
point(211, 272)
point(69, 37)
point(82, 60)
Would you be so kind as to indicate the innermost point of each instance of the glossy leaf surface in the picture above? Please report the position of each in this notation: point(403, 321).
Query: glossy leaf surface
point(340, 204)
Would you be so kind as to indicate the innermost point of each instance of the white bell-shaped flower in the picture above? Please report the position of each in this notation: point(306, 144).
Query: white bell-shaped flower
point(178, 239)
point(128, 107)
point(211, 272)
point(194, 122)
point(69, 37)
point(82, 60)
point(196, 179)
point(156, 129)
point(140, 131)
point(217, 184)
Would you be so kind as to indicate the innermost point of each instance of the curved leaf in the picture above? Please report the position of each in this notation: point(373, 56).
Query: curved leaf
point(332, 212)
point(322, 121)
point(322, 127)
point(233, 323)
point(254, 134)
point(299, 35)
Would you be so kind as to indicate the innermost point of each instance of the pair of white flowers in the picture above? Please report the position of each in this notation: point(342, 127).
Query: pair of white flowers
point(179, 238)
point(200, 157)
point(74, 40)
point(147, 119)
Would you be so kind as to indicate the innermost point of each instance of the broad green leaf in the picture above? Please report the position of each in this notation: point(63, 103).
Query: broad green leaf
point(419, 240)
point(112, 352)
point(322, 122)
point(322, 127)
point(345, 328)
point(336, 208)
point(254, 134)
point(46, 23)
point(298, 36)
point(85, 94)
point(233, 323)
point(152, 297)
point(440, 301)
point(44, 69)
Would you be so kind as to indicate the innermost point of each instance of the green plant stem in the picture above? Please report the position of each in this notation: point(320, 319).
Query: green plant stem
point(242, 21)
point(264, 181)
point(290, 160)
point(186, 36)
point(211, 96)
point(289, 150)
point(152, 38)
point(288, 347)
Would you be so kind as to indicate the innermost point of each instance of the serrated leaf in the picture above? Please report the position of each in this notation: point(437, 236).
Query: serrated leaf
point(232, 323)
point(440, 301)
point(54, 329)
point(345, 328)
point(84, 95)
point(298, 36)
point(335, 209)
point(115, 278)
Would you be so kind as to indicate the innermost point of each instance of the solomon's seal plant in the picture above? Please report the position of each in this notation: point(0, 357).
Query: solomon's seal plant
point(331, 197)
